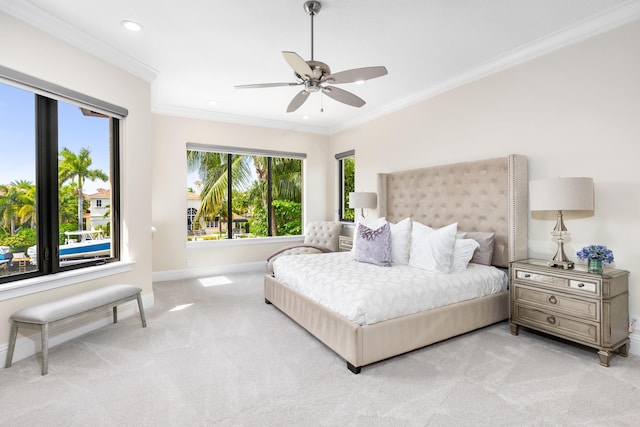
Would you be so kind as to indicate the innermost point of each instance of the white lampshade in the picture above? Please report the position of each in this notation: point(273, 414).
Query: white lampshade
point(363, 200)
point(561, 194)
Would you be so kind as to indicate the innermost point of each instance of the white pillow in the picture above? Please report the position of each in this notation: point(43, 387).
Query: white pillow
point(373, 224)
point(401, 241)
point(432, 250)
point(462, 254)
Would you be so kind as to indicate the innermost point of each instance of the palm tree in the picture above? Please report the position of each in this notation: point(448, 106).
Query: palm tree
point(13, 198)
point(212, 168)
point(77, 167)
point(27, 211)
point(286, 183)
point(68, 204)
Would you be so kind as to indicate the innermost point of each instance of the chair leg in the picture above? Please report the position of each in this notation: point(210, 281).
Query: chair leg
point(141, 308)
point(12, 344)
point(44, 331)
point(115, 314)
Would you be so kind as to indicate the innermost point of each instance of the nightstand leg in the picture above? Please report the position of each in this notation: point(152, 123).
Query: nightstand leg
point(515, 329)
point(623, 350)
point(605, 356)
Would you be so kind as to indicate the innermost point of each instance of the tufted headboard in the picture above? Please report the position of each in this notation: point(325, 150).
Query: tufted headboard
point(484, 195)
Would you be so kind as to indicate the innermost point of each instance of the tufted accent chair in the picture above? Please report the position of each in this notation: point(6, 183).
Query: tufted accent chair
point(319, 237)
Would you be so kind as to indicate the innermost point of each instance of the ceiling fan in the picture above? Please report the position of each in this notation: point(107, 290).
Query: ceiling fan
point(316, 76)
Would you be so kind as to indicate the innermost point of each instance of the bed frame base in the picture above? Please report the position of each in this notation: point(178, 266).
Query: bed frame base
point(361, 345)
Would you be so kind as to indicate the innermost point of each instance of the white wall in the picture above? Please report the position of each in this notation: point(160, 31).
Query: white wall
point(33, 52)
point(169, 172)
point(574, 112)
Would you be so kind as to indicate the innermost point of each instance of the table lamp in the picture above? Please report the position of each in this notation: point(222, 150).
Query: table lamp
point(561, 194)
point(362, 200)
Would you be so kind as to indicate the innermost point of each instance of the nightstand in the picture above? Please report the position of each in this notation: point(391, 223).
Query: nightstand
point(586, 308)
point(345, 243)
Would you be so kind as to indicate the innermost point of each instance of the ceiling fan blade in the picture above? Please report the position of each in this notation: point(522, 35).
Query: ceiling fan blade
point(297, 101)
point(350, 76)
point(343, 96)
point(259, 85)
point(298, 64)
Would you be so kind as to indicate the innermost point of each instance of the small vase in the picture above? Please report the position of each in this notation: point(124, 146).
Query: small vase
point(595, 266)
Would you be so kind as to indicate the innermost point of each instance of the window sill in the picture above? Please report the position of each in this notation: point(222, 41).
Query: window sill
point(21, 288)
point(242, 242)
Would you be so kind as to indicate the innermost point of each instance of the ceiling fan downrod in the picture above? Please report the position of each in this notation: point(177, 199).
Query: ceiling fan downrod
point(312, 8)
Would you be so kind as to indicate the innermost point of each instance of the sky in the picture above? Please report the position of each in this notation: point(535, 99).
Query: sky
point(75, 131)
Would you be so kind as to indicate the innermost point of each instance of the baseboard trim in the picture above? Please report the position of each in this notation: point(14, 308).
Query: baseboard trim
point(27, 346)
point(192, 273)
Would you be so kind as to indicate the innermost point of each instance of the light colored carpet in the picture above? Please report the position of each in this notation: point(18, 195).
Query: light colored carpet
point(215, 354)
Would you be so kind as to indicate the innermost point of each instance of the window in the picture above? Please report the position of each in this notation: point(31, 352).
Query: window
point(242, 193)
point(346, 183)
point(57, 155)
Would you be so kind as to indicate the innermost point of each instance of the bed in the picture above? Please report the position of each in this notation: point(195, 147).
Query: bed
point(485, 196)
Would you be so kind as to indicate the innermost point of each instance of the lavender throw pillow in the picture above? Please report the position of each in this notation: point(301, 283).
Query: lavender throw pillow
point(373, 245)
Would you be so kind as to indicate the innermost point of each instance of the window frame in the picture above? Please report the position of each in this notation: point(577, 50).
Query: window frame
point(270, 155)
point(47, 95)
point(340, 157)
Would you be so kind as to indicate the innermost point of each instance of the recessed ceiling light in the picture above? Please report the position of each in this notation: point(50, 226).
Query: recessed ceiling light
point(359, 82)
point(305, 117)
point(131, 25)
point(213, 102)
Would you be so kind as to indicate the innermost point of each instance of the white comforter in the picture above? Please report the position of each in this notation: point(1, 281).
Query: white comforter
point(367, 294)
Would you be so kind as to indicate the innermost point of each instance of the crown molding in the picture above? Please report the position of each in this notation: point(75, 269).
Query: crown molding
point(193, 113)
point(44, 21)
point(622, 15)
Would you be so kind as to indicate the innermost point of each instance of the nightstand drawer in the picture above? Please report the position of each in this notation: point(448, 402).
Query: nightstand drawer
point(558, 325)
point(583, 308)
point(345, 243)
point(584, 285)
point(541, 278)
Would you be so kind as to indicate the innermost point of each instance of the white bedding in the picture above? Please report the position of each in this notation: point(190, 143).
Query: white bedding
point(367, 293)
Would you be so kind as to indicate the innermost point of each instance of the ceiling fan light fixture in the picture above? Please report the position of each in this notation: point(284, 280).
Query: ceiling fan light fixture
point(131, 25)
point(316, 76)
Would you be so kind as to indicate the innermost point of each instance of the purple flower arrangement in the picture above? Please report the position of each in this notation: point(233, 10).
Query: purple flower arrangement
point(596, 252)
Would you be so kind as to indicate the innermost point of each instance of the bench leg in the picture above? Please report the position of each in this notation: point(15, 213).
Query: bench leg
point(12, 344)
point(44, 332)
point(141, 308)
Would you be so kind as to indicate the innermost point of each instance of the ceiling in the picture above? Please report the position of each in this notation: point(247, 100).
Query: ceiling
point(195, 51)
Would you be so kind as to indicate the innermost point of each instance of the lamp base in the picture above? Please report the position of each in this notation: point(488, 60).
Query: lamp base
point(561, 264)
point(560, 259)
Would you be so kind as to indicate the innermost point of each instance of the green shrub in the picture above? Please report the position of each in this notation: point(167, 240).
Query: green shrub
point(21, 241)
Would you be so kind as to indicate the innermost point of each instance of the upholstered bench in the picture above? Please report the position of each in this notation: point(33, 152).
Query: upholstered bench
point(42, 316)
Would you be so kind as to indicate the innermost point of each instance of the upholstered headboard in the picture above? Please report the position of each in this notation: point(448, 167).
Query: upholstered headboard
point(485, 195)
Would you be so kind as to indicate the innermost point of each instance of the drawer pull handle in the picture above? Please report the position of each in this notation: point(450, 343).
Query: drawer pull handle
point(553, 300)
point(527, 275)
point(551, 319)
point(581, 285)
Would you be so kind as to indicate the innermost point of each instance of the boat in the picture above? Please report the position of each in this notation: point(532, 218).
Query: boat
point(79, 245)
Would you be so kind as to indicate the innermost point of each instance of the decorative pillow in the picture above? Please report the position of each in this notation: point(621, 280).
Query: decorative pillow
point(484, 253)
point(432, 250)
point(401, 241)
point(371, 223)
point(462, 253)
point(374, 245)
